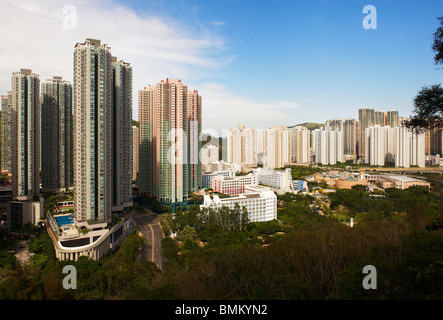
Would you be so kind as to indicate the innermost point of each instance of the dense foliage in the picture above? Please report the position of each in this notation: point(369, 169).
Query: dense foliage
point(302, 255)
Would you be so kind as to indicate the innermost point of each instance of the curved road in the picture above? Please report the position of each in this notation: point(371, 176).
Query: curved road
point(152, 231)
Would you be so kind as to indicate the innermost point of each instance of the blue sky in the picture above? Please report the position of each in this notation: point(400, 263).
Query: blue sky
point(254, 62)
point(317, 53)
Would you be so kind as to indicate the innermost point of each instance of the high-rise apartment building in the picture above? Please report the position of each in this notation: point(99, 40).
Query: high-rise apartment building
point(242, 146)
point(93, 82)
point(146, 149)
point(276, 147)
point(170, 126)
point(121, 134)
point(369, 117)
point(434, 139)
point(409, 148)
point(350, 130)
point(379, 118)
point(135, 152)
point(392, 118)
point(366, 118)
point(25, 135)
point(6, 131)
point(380, 145)
point(300, 144)
point(209, 154)
point(56, 133)
point(329, 146)
point(334, 124)
point(273, 148)
point(194, 143)
point(397, 146)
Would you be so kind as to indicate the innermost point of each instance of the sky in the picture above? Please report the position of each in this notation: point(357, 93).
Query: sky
point(254, 62)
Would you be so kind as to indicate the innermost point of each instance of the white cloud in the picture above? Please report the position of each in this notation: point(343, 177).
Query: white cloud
point(218, 23)
point(224, 110)
point(34, 37)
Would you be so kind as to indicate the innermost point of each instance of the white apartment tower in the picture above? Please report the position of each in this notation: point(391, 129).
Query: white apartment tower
point(410, 148)
point(377, 140)
point(328, 146)
point(93, 82)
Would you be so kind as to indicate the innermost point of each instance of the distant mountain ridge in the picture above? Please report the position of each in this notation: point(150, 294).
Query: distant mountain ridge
point(310, 125)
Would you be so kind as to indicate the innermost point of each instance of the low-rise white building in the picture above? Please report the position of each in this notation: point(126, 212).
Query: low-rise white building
point(278, 179)
point(260, 203)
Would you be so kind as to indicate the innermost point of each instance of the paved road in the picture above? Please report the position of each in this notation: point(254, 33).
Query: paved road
point(152, 231)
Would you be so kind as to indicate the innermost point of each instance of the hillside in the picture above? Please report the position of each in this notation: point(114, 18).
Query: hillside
point(311, 125)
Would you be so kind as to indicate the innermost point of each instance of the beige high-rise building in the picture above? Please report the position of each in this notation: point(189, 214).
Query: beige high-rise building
point(434, 140)
point(242, 146)
point(366, 118)
point(334, 124)
point(170, 118)
point(25, 135)
point(300, 145)
point(276, 147)
point(92, 131)
point(392, 119)
point(56, 130)
point(350, 131)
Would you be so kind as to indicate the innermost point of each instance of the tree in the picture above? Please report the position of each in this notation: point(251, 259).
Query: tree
point(188, 233)
point(428, 104)
point(428, 109)
point(437, 46)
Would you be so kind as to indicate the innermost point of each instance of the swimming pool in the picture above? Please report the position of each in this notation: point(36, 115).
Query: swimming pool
point(64, 220)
